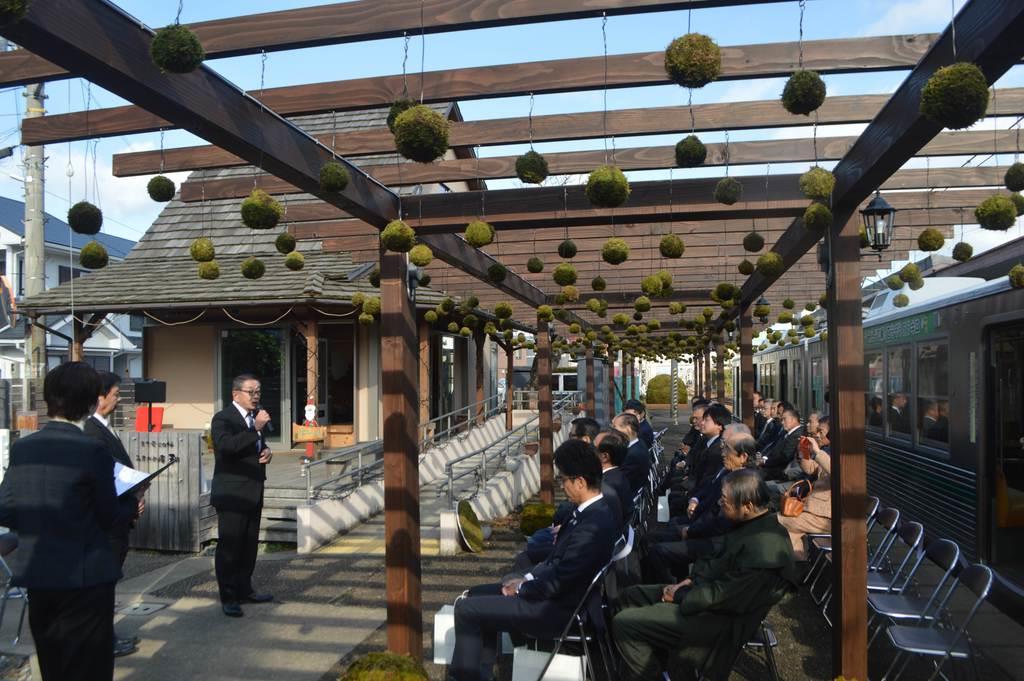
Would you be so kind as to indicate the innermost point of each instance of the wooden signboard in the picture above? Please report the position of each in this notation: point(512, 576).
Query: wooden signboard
point(308, 433)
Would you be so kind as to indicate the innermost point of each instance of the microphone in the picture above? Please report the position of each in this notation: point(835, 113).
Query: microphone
point(268, 427)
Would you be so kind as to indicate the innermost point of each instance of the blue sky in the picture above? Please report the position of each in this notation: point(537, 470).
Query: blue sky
point(129, 211)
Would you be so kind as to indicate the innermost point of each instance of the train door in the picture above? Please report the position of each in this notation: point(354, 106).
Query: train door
point(797, 388)
point(1006, 453)
point(783, 379)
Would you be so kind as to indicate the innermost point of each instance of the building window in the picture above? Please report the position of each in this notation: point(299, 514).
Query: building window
point(136, 322)
point(898, 414)
point(933, 392)
point(65, 274)
point(20, 286)
point(874, 406)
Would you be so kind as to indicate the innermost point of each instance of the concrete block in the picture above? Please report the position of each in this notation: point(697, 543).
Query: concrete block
point(320, 523)
point(449, 540)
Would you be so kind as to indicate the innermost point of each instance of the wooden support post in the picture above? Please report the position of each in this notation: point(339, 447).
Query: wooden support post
point(478, 345)
point(401, 453)
point(720, 372)
point(747, 369)
point(509, 388)
point(424, 364)
point(76, 349)
point(311, 334)
point(849, 472)
point(547, 444)
point(591, 394)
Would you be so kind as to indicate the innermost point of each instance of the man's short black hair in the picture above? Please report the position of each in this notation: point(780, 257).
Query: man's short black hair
point(239, 381)
point(635, 405)
point(791, 410)
point(719, 413)
point(786, 406)
point(585, 426)
point(699, 401)
point(630, 421)
point(615, 445)
point(578, 459)
point(71, 391)
point(108, 379)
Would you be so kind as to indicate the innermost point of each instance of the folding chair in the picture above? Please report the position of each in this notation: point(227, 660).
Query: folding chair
point(910, 535)
point(765, 639)
point(937, 640)
point(8, 543)
point(822, 543)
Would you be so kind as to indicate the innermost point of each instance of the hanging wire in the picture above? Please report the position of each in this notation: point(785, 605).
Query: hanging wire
point(725, 153)
point(423, 50)
point(800, 42)
point(161, 151)
point(604, 115)
point(814, 137)
point(689, 104)
point(530, 119)
point(952, 25)
point(928, 184)
point(689, 19)
point(334, 132)
point(177, 17)
point(405, 61)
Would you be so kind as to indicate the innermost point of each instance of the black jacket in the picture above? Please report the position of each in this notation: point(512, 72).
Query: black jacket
point(637, 465)
point(784, 450)
point(772, 431)
point(708, 520)
point(646, 433)
point(127, 503)
point(614, 482)
point(708, 463)
point(759, 422)
point(237, 475)
point(58, 496)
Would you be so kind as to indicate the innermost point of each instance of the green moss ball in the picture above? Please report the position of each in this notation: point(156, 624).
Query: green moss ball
point(421, 255)
point(956, 96)
point(176, 49)
point(535, 265)
point(817, 217)
point(1017, 276)
point(693, 60)
point(810, 307)
point(503, 310)
point(366, 319)
point(564, 274)
point(479, 234)
point(374, 277)
point(671, 246)
point(398, 237)
point(295, 261)
point(285, 243)
point(453, 327)
point(465, 332)
point(545, 313)
point(12, 10)
point(746, 268)
point(496, 273)
point(676, 308)
point(963, 252)
point(724, 291)
point(728, 191)
point(642, 304)
point(334, 177)
point(910, 272)
point(253, 268)
point(202, 249)
point(567, 249)
point(894, 282)
point(930, 239)
point(1014, 177)
point(358, 299)
point(531, 168)
point(900, 300)
point(421, 134)
point(160, 188)
point(447, 304)
point(371, 305)
point(85, 218)
point(817, 184)
point(620, 319)
point(430, 316)
point(574, 328)
point(789, 304)
point(260, 210)
point(651, 285)
point(770, 264)
point(470, 320)
point(615, 251)
point(690, 152)
point(93, 256)
point(785, 317)
point(607, 187)
point(398, 108)
point(570, 293)
point(753, 242)
point(1018, 202)
point(804, 93)
point(209, 270)
point(996, 213)
point(762, 310)
point(598, 284)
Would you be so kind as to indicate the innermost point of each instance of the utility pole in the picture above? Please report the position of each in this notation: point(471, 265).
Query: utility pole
point(34, 267)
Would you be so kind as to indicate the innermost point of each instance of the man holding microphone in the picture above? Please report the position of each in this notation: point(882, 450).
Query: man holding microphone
point(237, 494)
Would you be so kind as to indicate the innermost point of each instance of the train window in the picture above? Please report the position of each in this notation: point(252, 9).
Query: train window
point(933, 392)
point(898, 413)
point(874, 368)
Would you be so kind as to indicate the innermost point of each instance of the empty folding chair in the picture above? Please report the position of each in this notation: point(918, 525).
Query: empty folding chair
point(889, 519)
point(909, 535)
point(821, 544)
point(938, 641)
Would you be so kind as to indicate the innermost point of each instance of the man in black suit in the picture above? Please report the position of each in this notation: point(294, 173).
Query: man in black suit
point(784, 451)
point(899, 418)
point(58, 495)
point(611, 452)
point(584, 428)
point(130, 506)
point(637, 465)
point(237, 494)
point(645, 432)
point(759, 418)
point(540, 602)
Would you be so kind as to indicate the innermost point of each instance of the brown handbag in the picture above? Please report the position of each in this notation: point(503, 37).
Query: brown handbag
point(793, 500)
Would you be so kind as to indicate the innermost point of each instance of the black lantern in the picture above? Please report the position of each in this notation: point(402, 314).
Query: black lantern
point(762, 302)
point(879, 220)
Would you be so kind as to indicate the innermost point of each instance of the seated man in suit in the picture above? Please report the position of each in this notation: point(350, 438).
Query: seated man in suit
point(759, 417)
point(540, 602)
point(778, 458)
point(692, 443)
point(645, 432)
point(611, 452)
point(899, 414)
point(772, 428)
point(712, 614)
point(706, 463)
point(637, 465)
point(584, 428)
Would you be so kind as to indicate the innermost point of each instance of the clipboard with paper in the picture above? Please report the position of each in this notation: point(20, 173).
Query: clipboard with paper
point(128, 480)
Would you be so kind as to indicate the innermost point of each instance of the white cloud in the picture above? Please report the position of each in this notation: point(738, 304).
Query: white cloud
point(913, 16)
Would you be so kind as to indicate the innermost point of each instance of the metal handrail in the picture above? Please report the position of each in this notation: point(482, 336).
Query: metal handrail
point(356, 452)
point(470, 412)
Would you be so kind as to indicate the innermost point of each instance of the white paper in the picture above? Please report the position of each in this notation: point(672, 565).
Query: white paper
point(125, 478)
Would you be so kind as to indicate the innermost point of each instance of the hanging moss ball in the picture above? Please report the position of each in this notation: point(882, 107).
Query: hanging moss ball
point(1018, 202)
point(707, 313)
point(996, 213)
point(202, 250)
point(564, 274)
point(253, 268)
point(693, 60)
point(12, 10)
point(85, 218)
point(535, 265)
point(334, 177)
point(465, 332)
point(399, 107)
point(398, 237)
point(421, 134)
point(963, 251)
point(421, 255)
point(567, 249)
point(817, 184)
point(470, 320)
point(642, 304)
point(910, 272)
point(753, 242)
point(260, 210)
point(366, 319)
point(93, 256)
point(160, 188)
point(598, 284)
point(479, 234)
point(1017, 276)
point(690, 152)
point(651, 285)
point(728, 191)
point(615, 251)
point(430, 316)
point(176, 49)
point(358, 299)
point(671, 246)
point(1014, 177)
point(574, 328)
point(374, 277)
point(570, 293)
point(900, 300)
point(531, 168)
point(284, 243)
point(209, 270)
point(471, 303)
point(817, 217)
point(607, 187)
point(746, 268)
point(676, 308)
point(956, 96)
point(545, 313)
point(371, 305)
point(453, 327)
point(810, 307)
point(496, 273)
point(770, 264)
point(295, 261)
point(785, 317)
point(620, 319)
point(804, 93)
point(503, 310)
point(930, 239)
point(916, 284)
point(789, 304)
point(894, 282)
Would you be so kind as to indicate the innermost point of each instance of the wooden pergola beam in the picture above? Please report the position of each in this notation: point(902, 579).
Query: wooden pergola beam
point(367, 20)
point(767, 60)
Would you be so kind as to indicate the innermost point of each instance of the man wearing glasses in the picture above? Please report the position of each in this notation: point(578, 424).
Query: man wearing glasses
point(241, 457)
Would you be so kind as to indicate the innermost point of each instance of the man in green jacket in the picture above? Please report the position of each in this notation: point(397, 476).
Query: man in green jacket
point(705, 620)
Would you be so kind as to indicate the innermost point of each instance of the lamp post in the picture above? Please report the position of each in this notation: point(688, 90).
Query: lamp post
point(879, 219)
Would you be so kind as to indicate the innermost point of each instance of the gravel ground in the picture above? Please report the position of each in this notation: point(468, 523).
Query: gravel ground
point(140, 562)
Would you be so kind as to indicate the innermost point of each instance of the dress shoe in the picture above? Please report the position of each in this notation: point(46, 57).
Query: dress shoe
point(124, 646)
point(232, 609)
point(134, 640)
point(258, 598)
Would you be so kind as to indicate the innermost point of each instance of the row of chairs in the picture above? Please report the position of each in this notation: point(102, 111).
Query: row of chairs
point(917, 620)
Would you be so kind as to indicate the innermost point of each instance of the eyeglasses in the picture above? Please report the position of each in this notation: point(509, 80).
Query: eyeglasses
point(251, 393)
point(562, 479)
